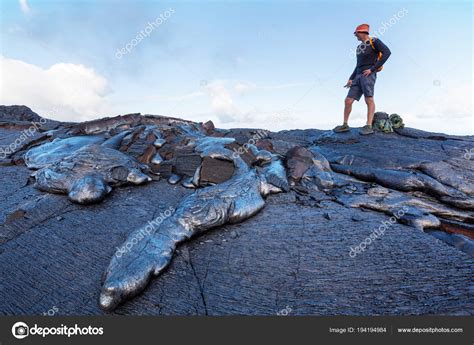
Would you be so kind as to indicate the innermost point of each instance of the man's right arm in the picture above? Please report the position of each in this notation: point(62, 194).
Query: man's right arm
point(379, 46)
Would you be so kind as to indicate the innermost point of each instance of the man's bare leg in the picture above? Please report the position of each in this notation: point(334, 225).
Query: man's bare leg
point(347, 111)
point(348, 108)
point(370, 109)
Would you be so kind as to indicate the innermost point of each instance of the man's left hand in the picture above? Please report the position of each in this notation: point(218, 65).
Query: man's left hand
point(367, 72)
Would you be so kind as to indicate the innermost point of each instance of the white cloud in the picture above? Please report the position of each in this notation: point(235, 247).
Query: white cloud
point(160, 98)
point(25, 8)
point(445, 108)
point(243, 87)
point(228, 108)
point(451, 102)
point(64, 91)
point(15, 29)
point(222, 103)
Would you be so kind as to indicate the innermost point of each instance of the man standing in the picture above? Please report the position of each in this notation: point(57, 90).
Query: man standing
point(371, 55)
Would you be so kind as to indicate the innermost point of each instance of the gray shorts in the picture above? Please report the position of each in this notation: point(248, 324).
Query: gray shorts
point(362, 86)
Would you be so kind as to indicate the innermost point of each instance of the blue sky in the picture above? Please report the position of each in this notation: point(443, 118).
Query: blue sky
point(271, 64)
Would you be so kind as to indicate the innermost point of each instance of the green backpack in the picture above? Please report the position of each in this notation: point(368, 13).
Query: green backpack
point(385, 123)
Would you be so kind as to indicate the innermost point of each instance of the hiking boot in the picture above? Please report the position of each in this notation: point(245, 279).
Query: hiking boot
point(367, 129)
point(342, 128)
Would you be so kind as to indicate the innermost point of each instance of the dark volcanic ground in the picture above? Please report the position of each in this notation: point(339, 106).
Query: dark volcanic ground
point(292, 257)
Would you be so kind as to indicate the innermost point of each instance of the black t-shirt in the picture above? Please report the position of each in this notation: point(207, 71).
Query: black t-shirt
point(367, 56)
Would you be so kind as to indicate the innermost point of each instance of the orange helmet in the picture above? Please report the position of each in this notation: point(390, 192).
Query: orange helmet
point(362, 28)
